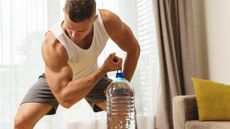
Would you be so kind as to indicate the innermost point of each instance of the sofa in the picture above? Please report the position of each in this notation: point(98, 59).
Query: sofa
point(185, 115)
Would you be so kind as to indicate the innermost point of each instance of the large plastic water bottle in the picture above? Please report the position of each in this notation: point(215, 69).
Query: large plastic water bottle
point(120, 104)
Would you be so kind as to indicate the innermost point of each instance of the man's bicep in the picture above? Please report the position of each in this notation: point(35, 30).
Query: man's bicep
point(58, 79)
point(57, 70)
point(125, 39)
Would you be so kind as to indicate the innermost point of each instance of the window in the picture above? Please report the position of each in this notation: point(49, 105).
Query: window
point(148, 66)
point(147, 71)
point(22, 27)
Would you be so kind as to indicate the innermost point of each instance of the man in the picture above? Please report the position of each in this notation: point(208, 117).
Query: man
point(70, 51)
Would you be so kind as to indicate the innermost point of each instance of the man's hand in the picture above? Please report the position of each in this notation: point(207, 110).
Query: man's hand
point(112, 63)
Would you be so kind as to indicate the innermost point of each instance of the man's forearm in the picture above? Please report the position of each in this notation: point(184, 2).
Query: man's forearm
point(81, 87)
point(130, 64)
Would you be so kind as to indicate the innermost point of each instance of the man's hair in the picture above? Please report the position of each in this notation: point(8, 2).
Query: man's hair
point(80, 10)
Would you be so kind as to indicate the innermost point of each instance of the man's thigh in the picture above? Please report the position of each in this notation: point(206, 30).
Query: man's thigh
point(41, 93)
point(30, 113)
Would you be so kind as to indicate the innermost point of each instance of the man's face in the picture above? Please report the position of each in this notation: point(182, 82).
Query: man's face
point(77, 31)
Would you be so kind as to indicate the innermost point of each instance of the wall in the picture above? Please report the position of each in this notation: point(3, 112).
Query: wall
point(212, 28)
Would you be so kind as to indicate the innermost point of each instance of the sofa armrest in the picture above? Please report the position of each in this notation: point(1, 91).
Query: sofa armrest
point(184, 109)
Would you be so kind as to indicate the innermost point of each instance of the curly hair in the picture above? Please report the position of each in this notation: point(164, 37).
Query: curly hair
point(80, 10)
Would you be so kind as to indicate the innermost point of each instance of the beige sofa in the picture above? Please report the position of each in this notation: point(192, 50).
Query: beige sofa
point(185, 115)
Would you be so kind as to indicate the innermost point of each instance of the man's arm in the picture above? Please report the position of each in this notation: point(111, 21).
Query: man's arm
point(59, 74)
point(122, 35)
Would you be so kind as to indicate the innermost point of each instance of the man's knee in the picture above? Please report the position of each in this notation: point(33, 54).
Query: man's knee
point(21, 122)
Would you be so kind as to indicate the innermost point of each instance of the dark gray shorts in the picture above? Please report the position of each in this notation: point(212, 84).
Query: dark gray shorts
point(41, 93)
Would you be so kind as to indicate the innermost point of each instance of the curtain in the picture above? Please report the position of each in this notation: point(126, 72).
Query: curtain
point(177, 55)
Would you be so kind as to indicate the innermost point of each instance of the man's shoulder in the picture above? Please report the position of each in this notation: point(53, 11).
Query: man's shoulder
point(108, 17)
point(53, 51)
point(110, 20)
point(52, 44)
point(50, 39)
point(105, 12)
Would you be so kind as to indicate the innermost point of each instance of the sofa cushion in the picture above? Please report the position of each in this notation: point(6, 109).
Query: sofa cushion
point(196, 124)
point(213, 99)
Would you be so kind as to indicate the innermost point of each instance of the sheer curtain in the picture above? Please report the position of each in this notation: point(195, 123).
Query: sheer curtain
point(22, 27)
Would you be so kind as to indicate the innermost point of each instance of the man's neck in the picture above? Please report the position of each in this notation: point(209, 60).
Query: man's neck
point(87, 41)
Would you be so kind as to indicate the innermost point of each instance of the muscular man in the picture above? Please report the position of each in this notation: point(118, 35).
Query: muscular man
point(70, 51)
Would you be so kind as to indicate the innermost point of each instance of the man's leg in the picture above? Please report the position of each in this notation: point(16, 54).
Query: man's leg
point(29, 113)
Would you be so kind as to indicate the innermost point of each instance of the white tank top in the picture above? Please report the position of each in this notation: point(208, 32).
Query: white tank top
point(83, 61)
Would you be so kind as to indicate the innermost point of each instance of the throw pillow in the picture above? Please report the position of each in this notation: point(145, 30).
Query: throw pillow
point(213, 99)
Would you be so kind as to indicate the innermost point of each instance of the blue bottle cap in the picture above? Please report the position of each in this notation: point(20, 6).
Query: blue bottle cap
point(119, 74)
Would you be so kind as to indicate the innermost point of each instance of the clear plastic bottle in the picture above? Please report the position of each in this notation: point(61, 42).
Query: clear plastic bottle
point(120, 104)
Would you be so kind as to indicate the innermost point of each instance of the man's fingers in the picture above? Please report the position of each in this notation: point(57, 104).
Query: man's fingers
point(117, 59)
point(112, 55)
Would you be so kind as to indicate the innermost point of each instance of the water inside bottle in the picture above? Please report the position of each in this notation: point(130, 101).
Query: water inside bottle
point(120, 105)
